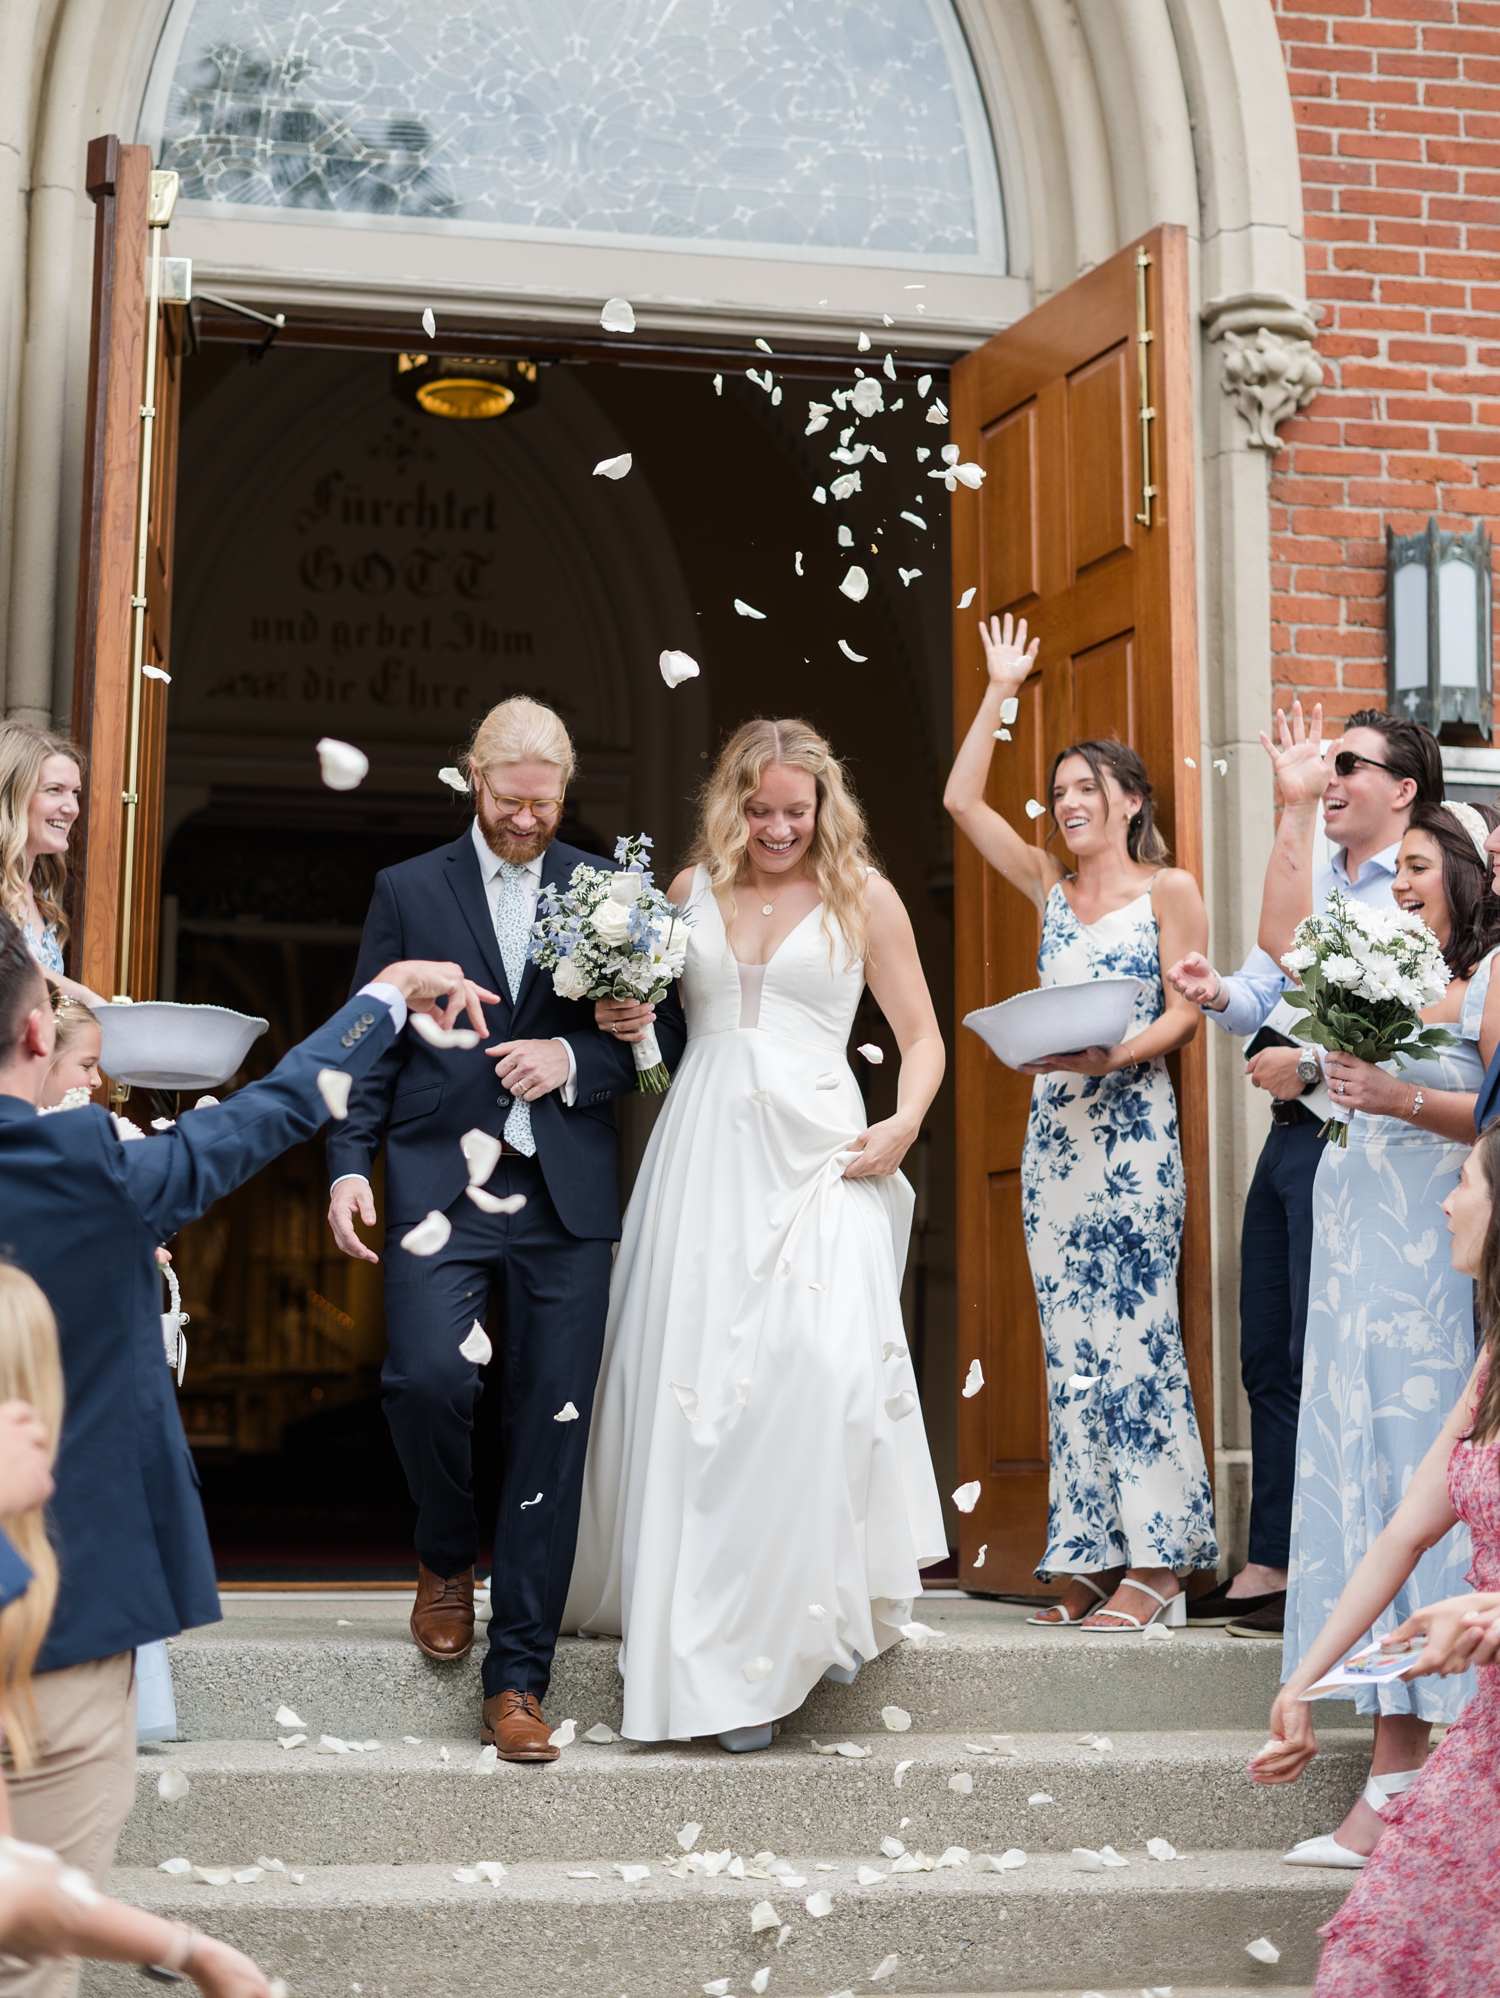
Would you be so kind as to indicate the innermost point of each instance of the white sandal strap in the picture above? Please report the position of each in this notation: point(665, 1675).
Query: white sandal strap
point(1089, 1583)
point(1147, 1590)
point(1379, 1790)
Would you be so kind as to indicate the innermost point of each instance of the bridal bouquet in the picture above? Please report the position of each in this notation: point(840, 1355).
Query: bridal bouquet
point(613, 936)
point(1366, 974)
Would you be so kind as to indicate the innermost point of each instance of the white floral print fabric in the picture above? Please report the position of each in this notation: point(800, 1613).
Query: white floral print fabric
point(1103, 1197)
point(1390, 1345)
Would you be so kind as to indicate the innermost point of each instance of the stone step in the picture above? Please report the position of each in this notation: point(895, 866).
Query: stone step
point(394, 1931)
point(349, 1667)
point(404, 1803)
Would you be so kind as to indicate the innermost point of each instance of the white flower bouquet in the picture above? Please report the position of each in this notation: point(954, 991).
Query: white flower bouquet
point(614, 936)
point(1366, 974)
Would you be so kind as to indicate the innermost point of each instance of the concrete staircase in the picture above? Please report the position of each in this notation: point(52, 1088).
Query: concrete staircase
point(379, 1834)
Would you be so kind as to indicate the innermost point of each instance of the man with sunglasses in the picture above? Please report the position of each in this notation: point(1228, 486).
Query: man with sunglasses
point(535, 1235)
point(1381, 766)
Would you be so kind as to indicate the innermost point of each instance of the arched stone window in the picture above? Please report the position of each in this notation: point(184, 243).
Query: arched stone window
point(825, 129)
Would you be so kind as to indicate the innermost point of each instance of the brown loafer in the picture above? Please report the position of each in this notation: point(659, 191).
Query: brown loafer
point(513, 1723)
point(442, 1622)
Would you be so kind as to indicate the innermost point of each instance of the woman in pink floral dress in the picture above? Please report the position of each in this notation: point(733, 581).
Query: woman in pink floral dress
point(1423, 1920)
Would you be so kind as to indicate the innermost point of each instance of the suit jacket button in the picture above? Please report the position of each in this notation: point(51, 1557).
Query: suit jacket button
point(503, 1100)
point(346, 1040)
point(367, 1019)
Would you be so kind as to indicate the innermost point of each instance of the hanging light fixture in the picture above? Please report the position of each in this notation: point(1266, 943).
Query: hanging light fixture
point(464, 387)
point(1438, 635)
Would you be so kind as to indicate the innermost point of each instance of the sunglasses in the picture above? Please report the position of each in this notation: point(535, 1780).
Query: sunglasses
point(1346, 763)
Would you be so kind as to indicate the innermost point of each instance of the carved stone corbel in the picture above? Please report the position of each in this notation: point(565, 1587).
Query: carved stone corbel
point(1270, 369)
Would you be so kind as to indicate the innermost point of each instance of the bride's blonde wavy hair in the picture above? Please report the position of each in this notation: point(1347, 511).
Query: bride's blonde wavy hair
point(839, 856)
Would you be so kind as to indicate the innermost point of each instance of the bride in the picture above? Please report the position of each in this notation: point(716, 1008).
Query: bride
point(759, 1498)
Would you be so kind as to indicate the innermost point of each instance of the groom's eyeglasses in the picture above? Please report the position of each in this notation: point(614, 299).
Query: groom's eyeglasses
point(1346, 763)
point(540, 808)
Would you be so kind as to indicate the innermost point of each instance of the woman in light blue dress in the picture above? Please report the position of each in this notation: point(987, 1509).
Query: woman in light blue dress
point(1390, 1323)
point(1103, 1196)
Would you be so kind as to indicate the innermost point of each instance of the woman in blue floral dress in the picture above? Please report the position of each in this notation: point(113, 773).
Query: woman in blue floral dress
point(1101, 1175)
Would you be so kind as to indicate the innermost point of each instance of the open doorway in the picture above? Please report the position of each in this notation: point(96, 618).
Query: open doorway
point(348, 565)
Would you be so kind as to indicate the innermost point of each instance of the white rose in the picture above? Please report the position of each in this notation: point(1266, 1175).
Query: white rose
point(626, 888)
point(568, 980)
point(611, 921)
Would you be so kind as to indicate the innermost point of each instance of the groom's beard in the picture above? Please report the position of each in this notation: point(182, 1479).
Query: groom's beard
point(508, 846)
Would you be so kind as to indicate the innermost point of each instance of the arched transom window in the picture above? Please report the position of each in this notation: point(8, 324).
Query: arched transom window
point(827, 128)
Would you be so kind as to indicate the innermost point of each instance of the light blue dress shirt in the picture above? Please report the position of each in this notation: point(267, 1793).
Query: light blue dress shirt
point(1256, 988)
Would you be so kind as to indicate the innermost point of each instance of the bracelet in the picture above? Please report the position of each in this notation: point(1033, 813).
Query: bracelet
point(178, 1959)
point(1415, 1108)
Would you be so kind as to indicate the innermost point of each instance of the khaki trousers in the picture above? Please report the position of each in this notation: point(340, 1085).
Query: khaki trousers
point(78, 1793)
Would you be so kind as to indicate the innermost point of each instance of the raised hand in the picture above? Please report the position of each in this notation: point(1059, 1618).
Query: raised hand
point(1195, 978)
point(1302, 770)
point(1006, 653)
point(439, 989)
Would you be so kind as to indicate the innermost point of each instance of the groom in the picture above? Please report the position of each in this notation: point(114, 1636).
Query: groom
point(545, 1087)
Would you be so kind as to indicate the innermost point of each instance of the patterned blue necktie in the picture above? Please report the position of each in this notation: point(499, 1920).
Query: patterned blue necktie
point(512, 933)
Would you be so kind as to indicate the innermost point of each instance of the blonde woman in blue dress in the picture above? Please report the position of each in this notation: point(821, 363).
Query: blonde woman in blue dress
point(1103, 1195)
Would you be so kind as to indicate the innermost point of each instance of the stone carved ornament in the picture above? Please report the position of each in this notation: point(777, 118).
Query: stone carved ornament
point(1270, 370)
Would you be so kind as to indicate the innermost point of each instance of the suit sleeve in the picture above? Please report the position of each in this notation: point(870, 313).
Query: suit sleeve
point(353, 1142)
point(606, 1067)
point(174, 1178)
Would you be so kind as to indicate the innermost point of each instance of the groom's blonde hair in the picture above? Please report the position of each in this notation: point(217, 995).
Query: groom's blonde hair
point(840, 852)
point(520, 730)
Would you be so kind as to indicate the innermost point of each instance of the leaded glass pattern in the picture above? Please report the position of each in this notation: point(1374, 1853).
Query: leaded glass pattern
point(813, 125)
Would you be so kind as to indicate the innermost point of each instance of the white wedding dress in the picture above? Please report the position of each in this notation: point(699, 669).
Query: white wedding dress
point(759, 1491)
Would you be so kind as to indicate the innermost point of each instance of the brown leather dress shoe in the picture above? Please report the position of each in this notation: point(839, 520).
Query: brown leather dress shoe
point(513, 1723)
point(443, 1620)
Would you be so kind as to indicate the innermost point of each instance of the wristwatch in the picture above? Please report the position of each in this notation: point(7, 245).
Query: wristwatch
point(1309, 1070)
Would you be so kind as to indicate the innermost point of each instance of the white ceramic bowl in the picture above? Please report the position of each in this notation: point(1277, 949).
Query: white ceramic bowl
point(158, 1044)
point(1056, 1019)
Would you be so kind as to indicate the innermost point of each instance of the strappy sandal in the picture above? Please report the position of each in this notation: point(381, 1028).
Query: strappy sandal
point(1049, 1622)
point(1325, 1850)
point(1171, 1610)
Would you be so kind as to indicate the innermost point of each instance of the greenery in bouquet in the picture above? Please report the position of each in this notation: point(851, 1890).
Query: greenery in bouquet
point(614, 936)
point(1365, 976)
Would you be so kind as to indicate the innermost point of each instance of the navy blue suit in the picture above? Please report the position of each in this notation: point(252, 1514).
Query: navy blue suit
point(83, 1213)
point(1487, 1103)
point(547, 1268)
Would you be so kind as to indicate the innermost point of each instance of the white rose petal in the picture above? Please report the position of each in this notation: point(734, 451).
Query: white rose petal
point(901, 1769)
point(175, 1866)
point(820, 1904)
point(1081, 1383)
point(973, 1381)
point(908, 576)
point(477, 1347)
point(979, 1557)
point(334, 1085)
point(967, 1496)
point(613, 468)
point(1004, 1744)
point(171, 1786)
point(871, 1876)
point(1110, 1857)
point(1007, 1862)
point(817, 1612)
point(677, 667)
point(213, 1876)
point(757, 1669)
point(1034, 810)
point(286, 1718)
point(938, 411)
point(863, 343)
point(486, 1760)
point(601, 1734)
point(343, 767)
point(742, 1393)
point(1040, 1797)
point(718, 1988)
point(763, 1916)
point(563, 1736)
point(527, 1504)
point(490, 1203)
point(859, 658)
point(845, 484)
point(443, 1037)
point(1157, 1633)
point(748, 610)
point(961, 1783)
point(688, 1837)
point(916, 521)
point(1086, 1861)
point(892, 1351)
point(884, 1969)
point(1190, 763)
point(856, 585)
point(481, 1155)
point(332, 1744)
point(156, 673)
point(967, 598)
point(956, 1855)
point(632, 1875)
point(1010, 707)
point(897, 1719)
point(412, 1740)
point(567, 1413)
point(468, 1876)
point(687, 1400)
point(454, 779)
point(618, 316)
point(867, 396)
point(429, 322)
point(292, 1741)
point(901, 1405)
point(872, 1054)
point(892, 1847)
point(1263, 1951)
point(917, 1633)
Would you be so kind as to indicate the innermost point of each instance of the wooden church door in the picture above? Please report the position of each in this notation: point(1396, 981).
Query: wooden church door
point(125, 576)
point(1082, 416)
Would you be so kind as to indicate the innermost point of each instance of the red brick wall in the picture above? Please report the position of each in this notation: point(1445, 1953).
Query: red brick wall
point(1398, 125)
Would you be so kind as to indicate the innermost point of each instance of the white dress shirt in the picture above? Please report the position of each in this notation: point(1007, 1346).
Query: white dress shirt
point(1255, 990)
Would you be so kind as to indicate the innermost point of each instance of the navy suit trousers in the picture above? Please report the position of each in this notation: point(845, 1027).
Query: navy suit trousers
point(545, 1293)
point(1275, 1265)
